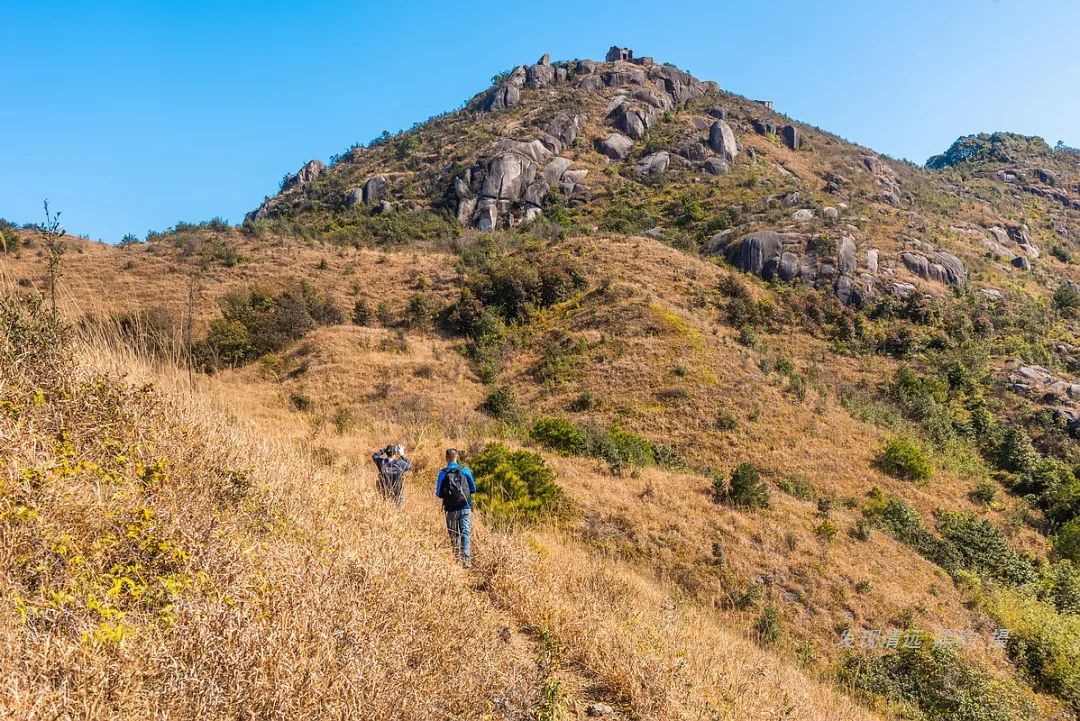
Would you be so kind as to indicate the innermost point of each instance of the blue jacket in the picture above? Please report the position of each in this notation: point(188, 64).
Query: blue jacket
point(468, 475)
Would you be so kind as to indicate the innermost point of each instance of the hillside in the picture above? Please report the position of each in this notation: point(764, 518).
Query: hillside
point(798, 399)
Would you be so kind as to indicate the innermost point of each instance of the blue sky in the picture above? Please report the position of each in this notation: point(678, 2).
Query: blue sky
point(131, 116)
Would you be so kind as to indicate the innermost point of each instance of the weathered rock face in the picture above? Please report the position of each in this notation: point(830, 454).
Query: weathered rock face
point(940, 267)
point(886, 181)
point(354, 197)
point(506, 95)
point(722, 141)
point(616, 146)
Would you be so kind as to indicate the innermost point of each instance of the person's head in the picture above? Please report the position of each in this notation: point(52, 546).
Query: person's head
point(451, 455)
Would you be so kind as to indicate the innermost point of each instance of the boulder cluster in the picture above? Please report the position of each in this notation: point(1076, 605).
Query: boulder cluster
point(512, 179)
point(1042, 386)
point(795, 257)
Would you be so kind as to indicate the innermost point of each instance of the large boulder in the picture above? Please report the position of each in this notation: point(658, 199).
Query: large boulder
point(759, 253)
point(374, 189)
point(616, 146)
point(716, 166)
point(955, 272)
point(722, 140)
point(553, 171)
point(792, 137)
point(653, 164)
point(846, 259)
point(501, 98)
point(917, 264)
point(354, 197)
point(565, 127)
point(633, 122)
point(538, 76)
point(508, 176)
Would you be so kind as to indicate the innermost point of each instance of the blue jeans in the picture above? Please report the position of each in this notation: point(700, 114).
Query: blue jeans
point(459, 526)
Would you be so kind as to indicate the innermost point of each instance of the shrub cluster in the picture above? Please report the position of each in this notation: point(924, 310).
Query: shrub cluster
point(514, 486)
point(620, 448)
point(258, 321)
point(904, 459)
point(935, 683)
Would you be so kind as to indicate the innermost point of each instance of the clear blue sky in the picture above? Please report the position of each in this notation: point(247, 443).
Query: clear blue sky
point(131, 116)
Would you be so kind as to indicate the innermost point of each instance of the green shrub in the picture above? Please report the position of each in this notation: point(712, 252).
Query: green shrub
point(1067, 299)
point(826, 531)
point(767, 628)
point(1064, 587)
point(584, 402)
point(934, 683)
point(1043, 643)
point(903, 459)
point(984, 549)
point(502, 404)
point(559, 435)
point(984, 492)
point(746, 489)
point(905, 524)
point(514, 486)
point(361, 313)
point(256, 322)
point(1067, 541)
point(9, 240)
point(797, 487)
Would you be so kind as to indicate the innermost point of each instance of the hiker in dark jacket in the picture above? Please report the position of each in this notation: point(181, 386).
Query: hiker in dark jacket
point(393, 465)
point(455, 487)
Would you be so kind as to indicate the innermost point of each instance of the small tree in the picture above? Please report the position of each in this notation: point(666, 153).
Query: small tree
point(52, 237)
point(903, 459)
point(746, 489)
point(129, 240)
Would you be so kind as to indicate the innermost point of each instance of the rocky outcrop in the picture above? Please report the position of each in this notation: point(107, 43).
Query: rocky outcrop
point(565, 127)
point(374, 189)
point(507, 94)
point(309, 172)
point(940, 267)
point(889, 190)
point(795, 257)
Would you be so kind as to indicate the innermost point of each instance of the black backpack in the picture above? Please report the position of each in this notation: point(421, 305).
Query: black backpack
point(455, 487)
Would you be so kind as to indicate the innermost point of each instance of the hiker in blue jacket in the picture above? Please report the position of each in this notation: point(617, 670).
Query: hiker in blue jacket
point(455, 487)
point(392, 465)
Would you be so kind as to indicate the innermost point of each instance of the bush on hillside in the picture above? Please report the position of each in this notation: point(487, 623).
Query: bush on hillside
point(905, 524)
point(935, 683)
point(502, 404)
point(559, 435)
point(256, 322)
point(745, 488)
point(903, 459)
point(514, 486)
point(1067, 541)
point(984, 549)
point(1044, 644)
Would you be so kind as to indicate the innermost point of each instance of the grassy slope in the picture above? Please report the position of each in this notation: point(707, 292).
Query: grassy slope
point(297, 592)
